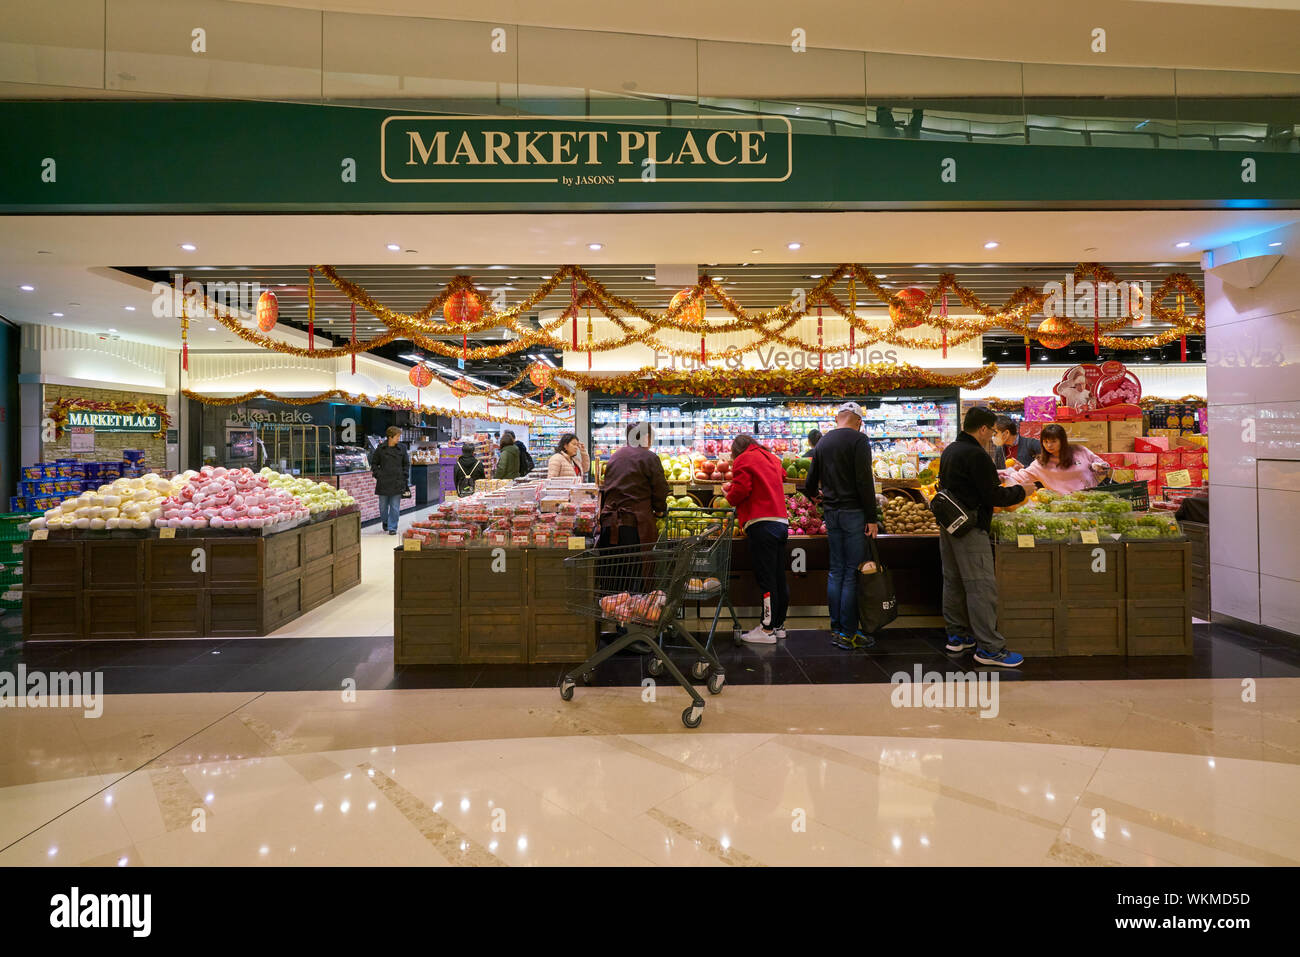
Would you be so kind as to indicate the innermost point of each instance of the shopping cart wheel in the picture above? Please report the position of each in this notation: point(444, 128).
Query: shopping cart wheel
point(655, 666)
point(693, 715)
point(716, 682)
point(700, 669)
point(587, 677)
point(566, 689)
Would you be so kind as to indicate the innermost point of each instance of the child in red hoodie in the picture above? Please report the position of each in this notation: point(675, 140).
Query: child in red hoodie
point(757, 491)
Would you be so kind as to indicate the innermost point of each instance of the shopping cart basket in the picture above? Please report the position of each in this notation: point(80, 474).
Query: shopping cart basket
point(640, 587)
point(710, 577)
point(1137, 493)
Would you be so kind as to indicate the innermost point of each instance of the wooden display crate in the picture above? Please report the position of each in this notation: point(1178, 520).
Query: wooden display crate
point(1158, 570)
point(1031, 628)
point(1093, 626)
point(1093, 572)
point(1028, 574)
point(1159, 627)
point(144, 587)
point(427, 606)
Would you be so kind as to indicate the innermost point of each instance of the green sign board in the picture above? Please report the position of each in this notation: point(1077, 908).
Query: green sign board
point(114, 421)
point(200, 156)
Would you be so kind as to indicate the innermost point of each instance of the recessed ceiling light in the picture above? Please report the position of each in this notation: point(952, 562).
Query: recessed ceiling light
point(188, 247)
point(1274, 244)
point(991, 244)
point(793, 246)
point(815, 275)
point(112, 330)
point(212, 328)
point(57, 315)
point(755, 252)
point(595, 247)
point(1146, 358)
point(650, 278)
point(393, 248)
point(881, 275)
point(1183, 245)
point(129, 308)
point(489, 267)
point(26, 288)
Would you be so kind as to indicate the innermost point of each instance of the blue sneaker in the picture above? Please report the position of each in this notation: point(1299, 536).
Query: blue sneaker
point(861, 641)
point(958, 643)
point(839, 639)
point(1003, 658)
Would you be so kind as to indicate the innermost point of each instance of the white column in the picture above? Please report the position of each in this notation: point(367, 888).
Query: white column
point(1253, 391)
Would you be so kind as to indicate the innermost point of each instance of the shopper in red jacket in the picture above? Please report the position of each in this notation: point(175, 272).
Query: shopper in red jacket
point(757, 491)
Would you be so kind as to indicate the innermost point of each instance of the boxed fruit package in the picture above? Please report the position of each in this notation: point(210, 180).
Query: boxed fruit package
point(1040, 408)
point(1152, 443)
point(1142, 460)
point(1031, 430)
point(1169, 460)
point(1095, 435)
point(1123, 433)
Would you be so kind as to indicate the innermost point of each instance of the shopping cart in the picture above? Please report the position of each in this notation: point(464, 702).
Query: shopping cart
point(709, 581)
point(640, 587)
point(1137, 493)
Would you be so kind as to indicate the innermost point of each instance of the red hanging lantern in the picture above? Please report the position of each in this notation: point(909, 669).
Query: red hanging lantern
point(461, 387)
point(540, 374)
point(463, 307)
point(692, 303)
point(311, 309)
point(420, 376)
point(912, 296)
point(354, 337)
point(268, 311)
point(1053, 334)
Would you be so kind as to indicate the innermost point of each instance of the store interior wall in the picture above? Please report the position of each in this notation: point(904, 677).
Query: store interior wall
point(1252, 350)
point(9, 411)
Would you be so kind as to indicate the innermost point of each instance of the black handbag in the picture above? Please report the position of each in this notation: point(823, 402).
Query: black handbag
point(951, 516)
point(877, 603)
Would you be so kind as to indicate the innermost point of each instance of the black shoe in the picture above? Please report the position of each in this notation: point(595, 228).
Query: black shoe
point(392, 531)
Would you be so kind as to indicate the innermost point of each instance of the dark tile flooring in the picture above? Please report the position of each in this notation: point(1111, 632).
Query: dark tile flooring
point(806, 657)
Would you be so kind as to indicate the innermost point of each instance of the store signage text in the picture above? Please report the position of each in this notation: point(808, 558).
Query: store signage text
point(283, 417)
point(440, 149)
point(115, 421)
point(774, 358)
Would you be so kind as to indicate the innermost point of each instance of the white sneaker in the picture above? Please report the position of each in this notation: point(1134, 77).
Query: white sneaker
point(759, 636)
point(780, 632)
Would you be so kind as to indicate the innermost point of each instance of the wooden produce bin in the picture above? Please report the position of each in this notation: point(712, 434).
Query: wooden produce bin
point(469, 606)
point(1112, 598)
point(138, 586)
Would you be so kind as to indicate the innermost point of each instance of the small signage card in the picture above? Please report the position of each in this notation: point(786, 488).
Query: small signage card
point(577, 543)
point(411, 544)
point(1179, 479)
point(1089, 537)
point(167, 532)
point(1025, 541)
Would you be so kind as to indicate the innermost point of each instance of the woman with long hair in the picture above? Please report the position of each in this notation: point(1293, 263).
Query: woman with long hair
point(1060, 466)
point(570, 458)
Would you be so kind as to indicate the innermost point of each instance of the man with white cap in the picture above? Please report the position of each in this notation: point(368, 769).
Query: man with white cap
point(841, 472)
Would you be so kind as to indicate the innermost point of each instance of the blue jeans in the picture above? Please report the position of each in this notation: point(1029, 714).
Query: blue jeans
point(389, 508)
point(846, 533)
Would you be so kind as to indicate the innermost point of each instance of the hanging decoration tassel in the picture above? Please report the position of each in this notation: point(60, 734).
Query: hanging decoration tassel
point(354, 337)
point(1026, 318)
point(311, 309)
point(1096, 314)
point(185, 334)
point(589, 338)
point(853, 301)
point(943, 311)
point(573, 306)
point(821, 353)
point(1182, 340)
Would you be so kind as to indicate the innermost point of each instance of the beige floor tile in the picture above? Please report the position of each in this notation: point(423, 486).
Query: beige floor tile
point(1132, 839)
point(87, 831)
point(26, 807)
point(42, 746)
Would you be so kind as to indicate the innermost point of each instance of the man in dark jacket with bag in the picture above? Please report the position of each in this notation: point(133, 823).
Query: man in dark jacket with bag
point(391, 467)
point(970, 590)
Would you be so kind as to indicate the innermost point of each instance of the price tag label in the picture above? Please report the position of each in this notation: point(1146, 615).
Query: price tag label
point(1180, 479)
point(679, 489)
point(791, 488)
point(577, 543)
point(40, 535)
point(411, 544)
point(167, 532)
point(1089, 537)
point(1025, 541)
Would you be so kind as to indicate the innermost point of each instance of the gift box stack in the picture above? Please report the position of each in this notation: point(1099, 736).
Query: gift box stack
point(447, 456)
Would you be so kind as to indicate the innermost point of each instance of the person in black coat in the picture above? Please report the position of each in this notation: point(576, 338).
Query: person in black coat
point(467, 470)
point(391, 467)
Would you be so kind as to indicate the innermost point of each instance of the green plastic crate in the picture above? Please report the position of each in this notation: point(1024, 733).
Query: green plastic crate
point(11, 529)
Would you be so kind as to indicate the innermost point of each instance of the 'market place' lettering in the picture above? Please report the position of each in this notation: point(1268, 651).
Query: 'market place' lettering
point(574, 147)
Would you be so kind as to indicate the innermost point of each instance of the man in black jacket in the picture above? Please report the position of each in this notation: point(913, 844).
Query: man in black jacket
point(970, 590)
point(841, 470)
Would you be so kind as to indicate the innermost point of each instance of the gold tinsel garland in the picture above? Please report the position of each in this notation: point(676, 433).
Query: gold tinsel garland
point(768, 326)
point(728, 383)
point(347, 398)
point(1148, 402)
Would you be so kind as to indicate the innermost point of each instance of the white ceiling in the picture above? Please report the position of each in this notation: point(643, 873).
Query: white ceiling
point(66, 257)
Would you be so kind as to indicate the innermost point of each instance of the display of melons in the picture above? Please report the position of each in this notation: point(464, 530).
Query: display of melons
point(125, 503)
point(228, 498)
point(317, 496)
point(902, 516)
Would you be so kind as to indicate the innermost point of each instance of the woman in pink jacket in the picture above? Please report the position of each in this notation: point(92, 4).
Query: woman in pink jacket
point(1061, 467)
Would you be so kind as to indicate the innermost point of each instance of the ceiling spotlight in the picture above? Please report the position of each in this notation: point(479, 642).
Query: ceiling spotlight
point(991, 244)
point(650, 278)
point(815, 275)
point(112, 330)
point(1146, 358)
point(793, 246)
point(26, 288)
point(212, 328)
point(57, 315)
point(1183, 245)
point(394, 248)
point(1271, 245)
point(595, 247)
point(755, 252)
point(129, 308)
point(188, 247)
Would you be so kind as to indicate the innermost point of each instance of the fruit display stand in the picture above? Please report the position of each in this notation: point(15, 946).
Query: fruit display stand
point(485, 605)
point(1112, 598)
point(200, 584)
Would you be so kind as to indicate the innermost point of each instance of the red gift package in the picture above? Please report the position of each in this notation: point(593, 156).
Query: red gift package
point(1151, 443)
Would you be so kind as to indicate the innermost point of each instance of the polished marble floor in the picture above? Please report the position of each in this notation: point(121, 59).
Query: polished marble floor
point(1132, 772)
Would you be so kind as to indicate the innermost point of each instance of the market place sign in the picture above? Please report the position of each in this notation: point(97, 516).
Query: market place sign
point(115, 421)
point(572, 152)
